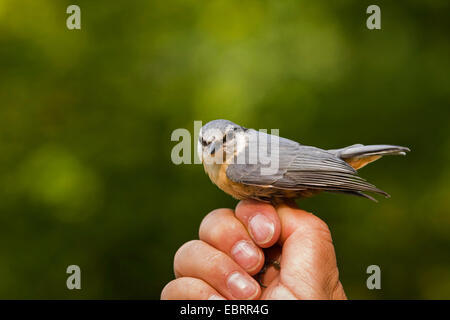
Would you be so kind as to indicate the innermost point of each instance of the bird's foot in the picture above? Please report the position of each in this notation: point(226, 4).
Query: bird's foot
point(267, 265)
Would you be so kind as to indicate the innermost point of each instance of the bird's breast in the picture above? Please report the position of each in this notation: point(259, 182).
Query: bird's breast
point(218, 175)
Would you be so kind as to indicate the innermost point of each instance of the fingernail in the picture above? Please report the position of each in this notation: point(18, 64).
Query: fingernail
point(240, 286)
point(261, 228)
point(246, 255)
point(215, 297)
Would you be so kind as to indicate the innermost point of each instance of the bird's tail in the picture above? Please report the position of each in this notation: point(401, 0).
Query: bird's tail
point(359, 155)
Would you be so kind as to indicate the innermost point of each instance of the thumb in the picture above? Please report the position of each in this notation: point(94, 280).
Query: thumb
point(308, 261)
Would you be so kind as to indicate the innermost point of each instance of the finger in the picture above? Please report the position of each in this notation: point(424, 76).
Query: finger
point(261, 220)
point(189, 289)
point(292, 219)
point(308, 263)
point(222, 230)
point(277, 291)
point(200, 260)
point(271, 267)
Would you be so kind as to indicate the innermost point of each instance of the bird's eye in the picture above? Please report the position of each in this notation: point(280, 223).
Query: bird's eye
point(228, 136)
point(204, 143)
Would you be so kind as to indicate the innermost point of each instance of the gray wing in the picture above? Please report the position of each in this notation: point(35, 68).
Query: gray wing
point(299, 168)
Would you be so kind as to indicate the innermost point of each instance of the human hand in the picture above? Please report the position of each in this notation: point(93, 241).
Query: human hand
point(233, 247)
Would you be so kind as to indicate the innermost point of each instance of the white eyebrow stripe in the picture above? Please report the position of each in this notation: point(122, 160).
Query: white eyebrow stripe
point(241, 142)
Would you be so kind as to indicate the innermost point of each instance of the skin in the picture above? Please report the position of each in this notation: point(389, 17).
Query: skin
point(232, 249)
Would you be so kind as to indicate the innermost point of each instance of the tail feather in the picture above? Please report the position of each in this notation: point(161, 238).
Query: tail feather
point(359, 155)
point(359, 194)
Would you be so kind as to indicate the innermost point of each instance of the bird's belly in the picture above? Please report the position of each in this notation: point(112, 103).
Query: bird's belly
point(240, 191)
point(218, 175)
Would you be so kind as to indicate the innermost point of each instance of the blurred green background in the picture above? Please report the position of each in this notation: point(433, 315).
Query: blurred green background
point(86, 118)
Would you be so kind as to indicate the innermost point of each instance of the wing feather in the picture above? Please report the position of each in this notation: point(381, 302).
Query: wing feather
point(300, 168)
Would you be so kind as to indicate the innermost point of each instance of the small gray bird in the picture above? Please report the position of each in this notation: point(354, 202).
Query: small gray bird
point(250, 164)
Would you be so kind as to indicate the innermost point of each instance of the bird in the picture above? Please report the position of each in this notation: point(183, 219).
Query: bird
point(250, 164)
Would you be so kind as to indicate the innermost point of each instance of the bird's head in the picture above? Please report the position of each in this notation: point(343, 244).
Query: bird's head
point(219, 141)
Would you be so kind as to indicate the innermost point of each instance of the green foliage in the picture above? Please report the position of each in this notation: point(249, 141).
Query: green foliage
point(86, 118)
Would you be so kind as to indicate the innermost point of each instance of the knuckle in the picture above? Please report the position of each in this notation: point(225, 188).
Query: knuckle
point(182, 285)
point(185, 251)
point(187, 282)
point(211, 229)
point(320, 227)
point(215, 258)
point(207, 225)
point(167, 290)
point(217, 213)
point(331, 283)
point(189, 246)
point(210, 216)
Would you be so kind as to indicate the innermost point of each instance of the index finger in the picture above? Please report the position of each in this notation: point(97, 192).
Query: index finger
point(261, 220)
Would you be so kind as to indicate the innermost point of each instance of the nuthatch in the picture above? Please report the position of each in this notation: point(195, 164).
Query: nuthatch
point(236, 160)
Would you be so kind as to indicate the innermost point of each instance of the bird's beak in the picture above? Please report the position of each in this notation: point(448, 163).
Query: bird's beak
point(213, 147)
